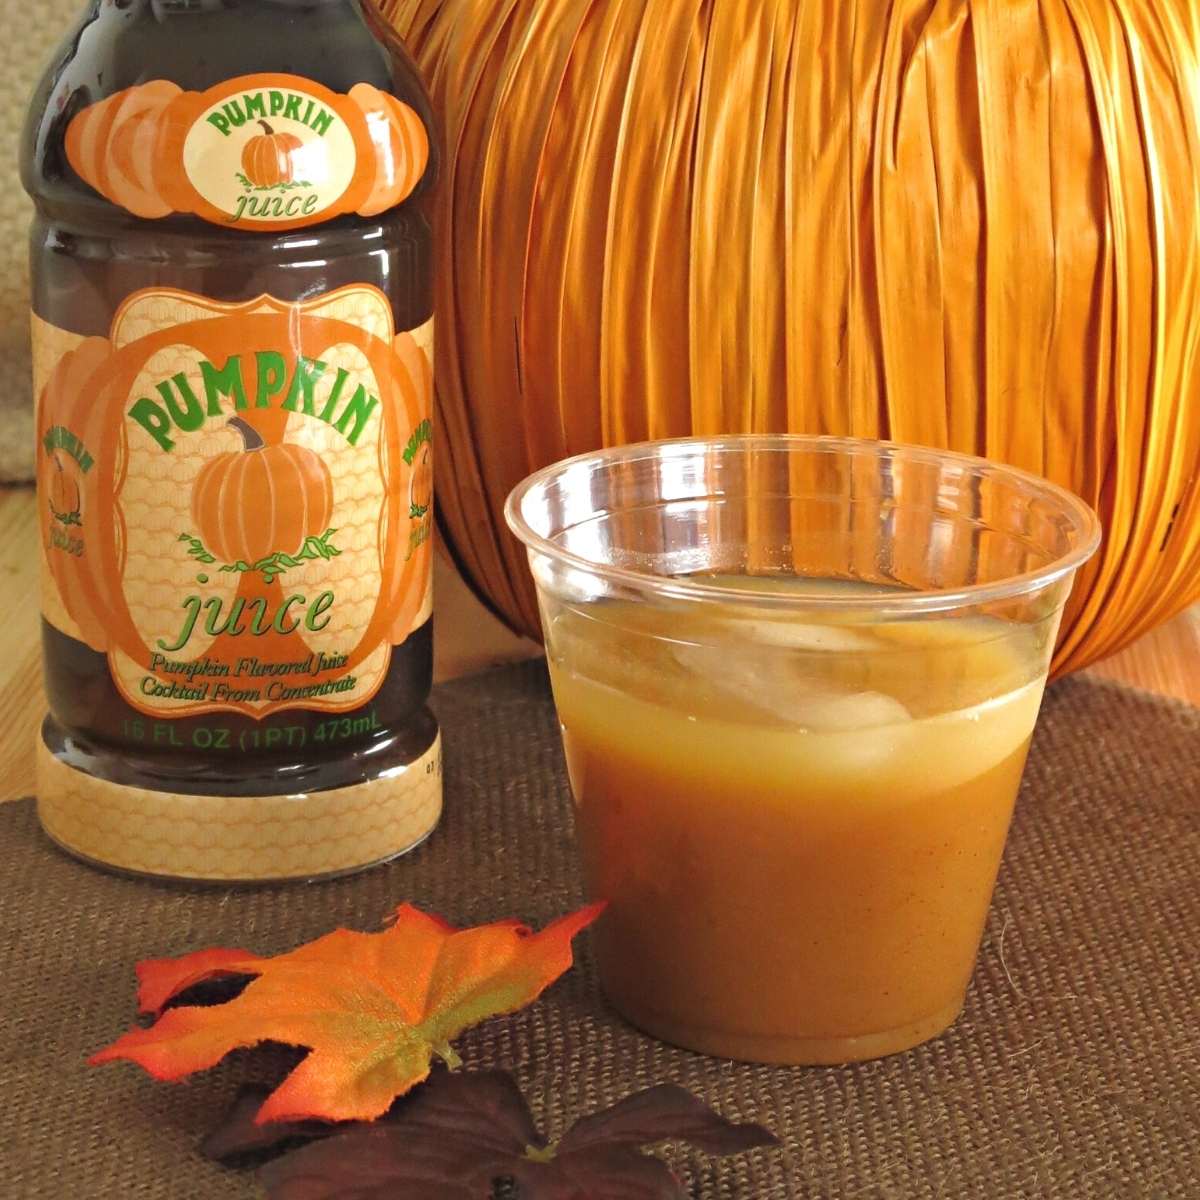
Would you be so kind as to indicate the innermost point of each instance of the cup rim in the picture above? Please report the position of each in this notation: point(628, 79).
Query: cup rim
point(1086, 523)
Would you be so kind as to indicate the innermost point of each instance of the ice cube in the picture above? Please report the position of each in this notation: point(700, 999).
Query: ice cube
point(795, 635)
point(841, 712)
point(775, 684)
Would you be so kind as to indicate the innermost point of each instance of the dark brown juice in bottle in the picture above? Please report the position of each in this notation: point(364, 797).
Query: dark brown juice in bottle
point(232, 323)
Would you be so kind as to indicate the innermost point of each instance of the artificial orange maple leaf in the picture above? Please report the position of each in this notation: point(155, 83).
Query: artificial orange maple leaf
point(373, 1008)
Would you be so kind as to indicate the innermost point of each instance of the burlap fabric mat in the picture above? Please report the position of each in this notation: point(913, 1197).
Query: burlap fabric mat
point(1073, 1073)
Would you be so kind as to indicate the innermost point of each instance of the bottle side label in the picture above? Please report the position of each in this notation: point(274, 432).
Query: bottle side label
point(259, 152)
point(236, 499)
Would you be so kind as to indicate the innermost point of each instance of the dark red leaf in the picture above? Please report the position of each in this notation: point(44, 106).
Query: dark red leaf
point(451, 1137)
point(471, 1137)
point(663, 1114)
point(481, 1113)
point(372, 1162)
point(240, 1135)
point(615, 1174)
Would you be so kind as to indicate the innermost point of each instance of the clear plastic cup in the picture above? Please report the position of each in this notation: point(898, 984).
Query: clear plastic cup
point(797, 679)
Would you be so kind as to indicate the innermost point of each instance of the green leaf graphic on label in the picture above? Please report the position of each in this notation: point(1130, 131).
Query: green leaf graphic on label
point(272, 187)
point(196, 548)
point(274, 565)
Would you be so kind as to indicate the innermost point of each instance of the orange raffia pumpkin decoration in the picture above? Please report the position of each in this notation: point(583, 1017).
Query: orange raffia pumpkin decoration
point(267, 159)
point(965, 223)
point(262, 500)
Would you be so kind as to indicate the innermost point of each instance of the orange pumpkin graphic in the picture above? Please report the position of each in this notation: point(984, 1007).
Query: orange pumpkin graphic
point(65, 500)
point(401, 147)
point(114, 146)
point(256, 502)
point(267, 158)
point(422, 482)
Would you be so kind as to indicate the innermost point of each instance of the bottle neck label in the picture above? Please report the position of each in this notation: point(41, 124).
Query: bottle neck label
point(259, 152)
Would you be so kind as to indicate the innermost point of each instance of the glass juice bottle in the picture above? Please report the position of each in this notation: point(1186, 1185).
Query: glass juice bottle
point(232, 330)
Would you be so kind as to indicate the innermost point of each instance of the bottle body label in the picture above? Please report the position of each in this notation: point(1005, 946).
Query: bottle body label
point(259, 152)
point(236, 499)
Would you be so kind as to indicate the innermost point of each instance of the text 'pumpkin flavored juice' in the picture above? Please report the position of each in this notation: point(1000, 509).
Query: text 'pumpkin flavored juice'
point(232, 336)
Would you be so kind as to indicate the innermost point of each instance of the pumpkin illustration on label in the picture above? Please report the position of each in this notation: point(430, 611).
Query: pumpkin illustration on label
point(418, 454)
point(65, 497)
point(262, 500)
point(421, 492)
point(267, 160)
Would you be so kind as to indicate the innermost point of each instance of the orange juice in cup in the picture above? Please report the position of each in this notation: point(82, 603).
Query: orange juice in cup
point(797, 680)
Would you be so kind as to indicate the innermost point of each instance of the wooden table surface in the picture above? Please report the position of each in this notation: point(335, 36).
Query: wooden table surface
point(468, 639)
